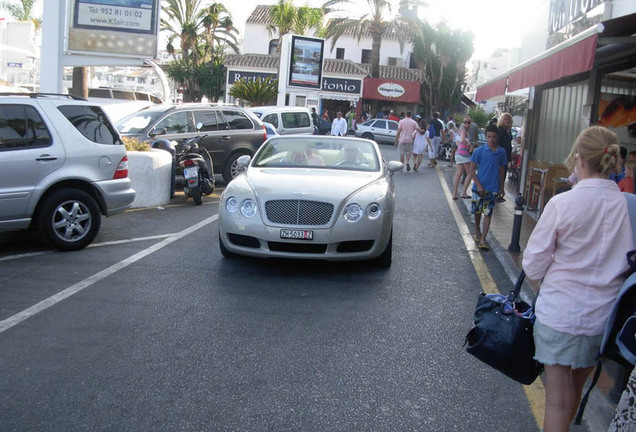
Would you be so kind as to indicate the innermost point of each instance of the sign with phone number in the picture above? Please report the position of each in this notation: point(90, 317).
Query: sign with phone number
point(126, 15)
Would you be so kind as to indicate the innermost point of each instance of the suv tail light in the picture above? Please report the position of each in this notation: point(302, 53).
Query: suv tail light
point(122, 169)
point(264, 133)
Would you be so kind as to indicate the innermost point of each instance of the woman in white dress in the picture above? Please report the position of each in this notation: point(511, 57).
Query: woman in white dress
point(421, 142)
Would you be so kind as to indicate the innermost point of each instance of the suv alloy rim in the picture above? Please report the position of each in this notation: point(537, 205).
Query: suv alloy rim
point(72, 221)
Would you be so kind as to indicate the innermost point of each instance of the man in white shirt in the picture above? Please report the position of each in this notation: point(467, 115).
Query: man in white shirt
point(339, 125)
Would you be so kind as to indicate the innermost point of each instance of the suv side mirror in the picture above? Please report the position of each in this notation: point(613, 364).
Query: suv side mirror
point(159, 131)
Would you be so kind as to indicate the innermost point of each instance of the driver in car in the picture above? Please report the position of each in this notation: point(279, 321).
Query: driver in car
point(351, 159)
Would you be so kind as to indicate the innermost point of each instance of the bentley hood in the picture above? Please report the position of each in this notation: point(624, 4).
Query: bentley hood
point(310, 184)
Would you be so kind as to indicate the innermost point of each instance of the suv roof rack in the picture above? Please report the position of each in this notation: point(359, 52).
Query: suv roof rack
point(36, 95)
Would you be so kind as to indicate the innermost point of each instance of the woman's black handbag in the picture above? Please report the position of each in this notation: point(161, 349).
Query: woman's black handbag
point(502, 335)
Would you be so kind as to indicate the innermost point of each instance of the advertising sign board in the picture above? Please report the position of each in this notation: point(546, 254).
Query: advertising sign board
point(305, 68)
point(116, 27)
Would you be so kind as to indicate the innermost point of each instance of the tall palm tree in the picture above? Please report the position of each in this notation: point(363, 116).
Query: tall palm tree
point(373, 23)
point(219, 28)
point(22, 11)
point(288, 18)
point(182, 19)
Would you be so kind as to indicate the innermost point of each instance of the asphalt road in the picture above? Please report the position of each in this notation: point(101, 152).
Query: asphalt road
point(151, 329)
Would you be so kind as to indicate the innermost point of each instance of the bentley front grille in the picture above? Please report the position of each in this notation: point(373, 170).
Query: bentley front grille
point(298, 212)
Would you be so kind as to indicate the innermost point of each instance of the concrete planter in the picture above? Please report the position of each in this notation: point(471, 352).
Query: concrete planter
point(150, 173)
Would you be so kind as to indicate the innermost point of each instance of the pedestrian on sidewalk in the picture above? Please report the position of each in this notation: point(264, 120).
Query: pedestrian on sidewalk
point(462, 159)
point(504, 140)
point(421, 142)
point(624, 419)
point(489, 161)
point(404, 138)
point(578, 250)
point(339, 125)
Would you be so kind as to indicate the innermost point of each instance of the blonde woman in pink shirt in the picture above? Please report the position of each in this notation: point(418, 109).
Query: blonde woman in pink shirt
point(578, 248)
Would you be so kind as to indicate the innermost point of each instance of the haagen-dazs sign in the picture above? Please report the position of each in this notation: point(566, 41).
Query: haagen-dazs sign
point(391, 90)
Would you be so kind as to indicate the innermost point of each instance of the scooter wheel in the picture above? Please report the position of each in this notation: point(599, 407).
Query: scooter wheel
point(196, 196)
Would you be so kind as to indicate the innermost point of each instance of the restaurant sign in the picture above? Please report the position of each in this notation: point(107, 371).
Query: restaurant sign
point(391, 90)
point(341, 85)
point(564, 12)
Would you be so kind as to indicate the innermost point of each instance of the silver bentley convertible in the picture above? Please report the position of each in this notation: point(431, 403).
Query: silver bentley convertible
point(311, 197)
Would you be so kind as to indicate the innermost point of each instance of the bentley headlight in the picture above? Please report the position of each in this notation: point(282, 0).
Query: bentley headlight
point(248, 208)
point(353, 212)
point(374, 211)
point(231, 205)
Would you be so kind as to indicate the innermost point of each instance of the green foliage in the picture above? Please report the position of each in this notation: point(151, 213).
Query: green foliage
point(21, 11)
point(371, 23)
point(202, 34)
point(255, 92)
point(133, 144)
point(480, 116)
point(286, 18)
point(441, 54)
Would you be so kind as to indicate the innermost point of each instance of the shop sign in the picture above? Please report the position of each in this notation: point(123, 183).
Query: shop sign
point(564, 12)
point(391, 90)
point(234, 76)
point(341, 85)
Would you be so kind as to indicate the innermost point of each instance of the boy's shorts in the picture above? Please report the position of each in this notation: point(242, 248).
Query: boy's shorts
point(483, 204)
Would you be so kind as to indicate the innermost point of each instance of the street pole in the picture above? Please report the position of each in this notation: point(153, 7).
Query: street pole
point(516, 227)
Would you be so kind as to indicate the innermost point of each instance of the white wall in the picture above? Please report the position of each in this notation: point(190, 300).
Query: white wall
point(623, 7)
point(21, 53)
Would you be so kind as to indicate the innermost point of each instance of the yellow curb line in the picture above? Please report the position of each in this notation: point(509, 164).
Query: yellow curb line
point(535, 392)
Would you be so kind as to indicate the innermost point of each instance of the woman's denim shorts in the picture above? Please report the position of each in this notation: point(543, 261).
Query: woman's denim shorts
point(557, 348)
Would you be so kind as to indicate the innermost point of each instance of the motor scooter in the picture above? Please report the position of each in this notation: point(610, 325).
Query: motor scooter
point(198, 175)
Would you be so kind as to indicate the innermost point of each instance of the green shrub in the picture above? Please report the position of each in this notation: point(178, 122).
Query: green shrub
point(133, 144)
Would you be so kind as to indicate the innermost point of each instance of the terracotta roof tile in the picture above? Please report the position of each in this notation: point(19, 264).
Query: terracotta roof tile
point(343, 67)
point(260, 15)
point(396, 72)
point(252, 61)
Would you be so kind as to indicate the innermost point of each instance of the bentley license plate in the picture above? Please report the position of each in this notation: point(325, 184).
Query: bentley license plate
point(297, 234)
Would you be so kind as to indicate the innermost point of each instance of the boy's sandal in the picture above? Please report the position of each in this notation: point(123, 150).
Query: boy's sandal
point(483, 246)
point(477, 238)
point(466, 196)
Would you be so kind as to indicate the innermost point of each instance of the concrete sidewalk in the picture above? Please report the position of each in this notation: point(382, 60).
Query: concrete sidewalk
point(600, 408)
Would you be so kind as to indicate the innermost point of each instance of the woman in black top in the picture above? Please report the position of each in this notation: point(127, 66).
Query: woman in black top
point(504, 140)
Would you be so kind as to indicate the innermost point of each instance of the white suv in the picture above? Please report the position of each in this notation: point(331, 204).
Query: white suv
point(62, 166)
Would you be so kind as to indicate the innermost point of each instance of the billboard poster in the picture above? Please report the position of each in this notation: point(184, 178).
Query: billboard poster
point(119, 27)
point(306, 62)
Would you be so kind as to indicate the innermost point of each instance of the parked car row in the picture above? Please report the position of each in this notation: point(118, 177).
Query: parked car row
point(63, 165)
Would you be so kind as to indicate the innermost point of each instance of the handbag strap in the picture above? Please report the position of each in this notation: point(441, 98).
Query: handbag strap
point(517, 288)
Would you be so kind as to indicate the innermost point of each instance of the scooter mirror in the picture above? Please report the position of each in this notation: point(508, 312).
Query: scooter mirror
point(199, 126)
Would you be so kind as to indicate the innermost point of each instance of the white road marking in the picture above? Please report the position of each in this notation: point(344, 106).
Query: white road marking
point(109, 243)
point(73, 289)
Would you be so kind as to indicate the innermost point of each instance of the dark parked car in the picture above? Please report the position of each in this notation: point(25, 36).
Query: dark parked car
point(231, 131)
point(322, 127)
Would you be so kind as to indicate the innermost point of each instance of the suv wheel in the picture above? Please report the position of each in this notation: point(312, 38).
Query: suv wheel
point(231, 168)
point(69, 219)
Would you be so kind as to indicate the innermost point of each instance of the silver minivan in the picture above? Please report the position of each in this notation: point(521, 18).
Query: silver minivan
point(286, 120)
point(62, 166)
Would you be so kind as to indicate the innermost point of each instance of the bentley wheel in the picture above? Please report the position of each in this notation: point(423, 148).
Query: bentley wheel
point(224, 251)
point(384, 260)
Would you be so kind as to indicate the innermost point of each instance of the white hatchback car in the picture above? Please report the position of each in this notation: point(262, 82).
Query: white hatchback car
point(62, 166)
point(379, 130)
